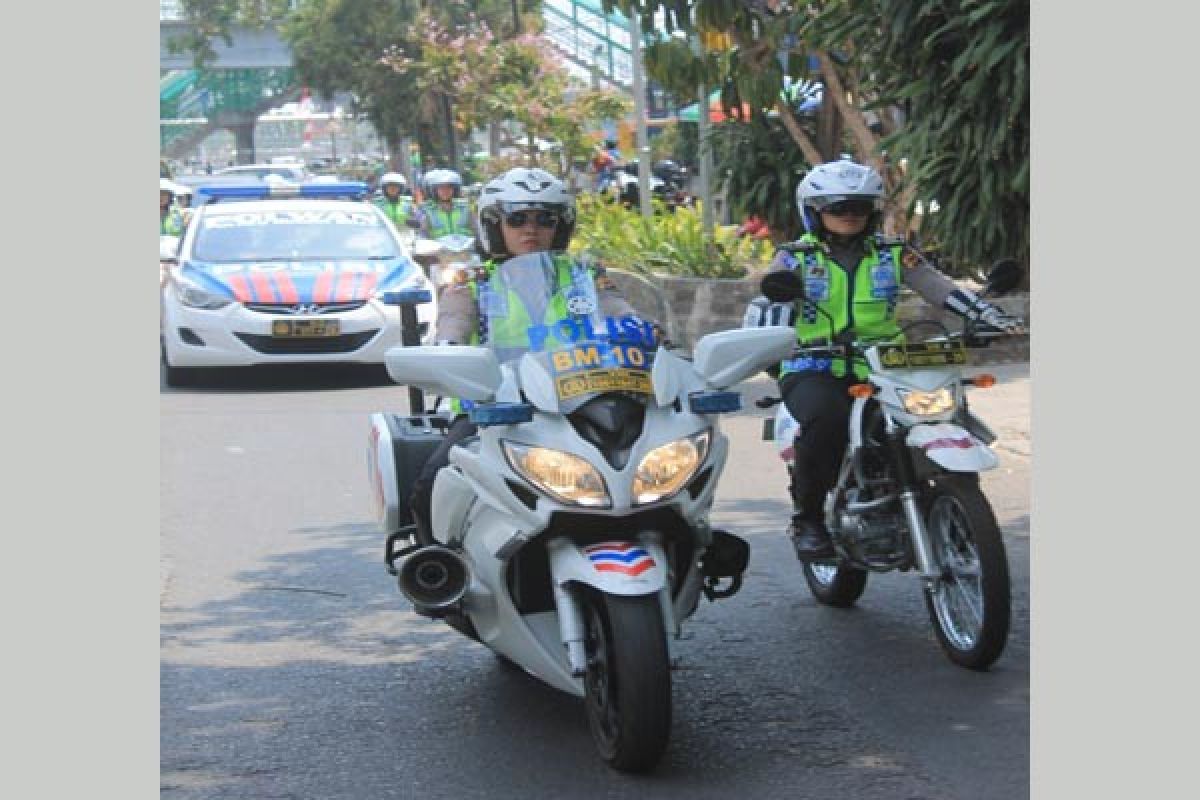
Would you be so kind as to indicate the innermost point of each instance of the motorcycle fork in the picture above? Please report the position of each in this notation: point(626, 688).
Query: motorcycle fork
point(906, 478)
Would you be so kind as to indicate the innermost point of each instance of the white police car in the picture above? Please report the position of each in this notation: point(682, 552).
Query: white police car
point(286, 274)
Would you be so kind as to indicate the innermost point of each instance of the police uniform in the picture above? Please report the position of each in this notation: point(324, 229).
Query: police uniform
point(397, 211)
point(170, 223)
point(857, 284)
point(459, 321)
point(436, 221)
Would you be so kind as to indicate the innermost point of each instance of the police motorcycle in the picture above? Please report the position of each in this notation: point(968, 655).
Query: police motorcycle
point(572, 535)
point(446, 257)
point(907, 495)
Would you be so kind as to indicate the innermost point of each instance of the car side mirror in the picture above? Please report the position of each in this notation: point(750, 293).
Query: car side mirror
point(1004, 276)
point(168, 248)
point(783, 286)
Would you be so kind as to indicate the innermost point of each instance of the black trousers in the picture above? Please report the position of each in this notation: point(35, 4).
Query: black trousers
point(819, 402)
point(422, 494)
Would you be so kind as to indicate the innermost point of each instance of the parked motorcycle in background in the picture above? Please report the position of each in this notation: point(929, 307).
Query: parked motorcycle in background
point(907, 494)
point(572, 535)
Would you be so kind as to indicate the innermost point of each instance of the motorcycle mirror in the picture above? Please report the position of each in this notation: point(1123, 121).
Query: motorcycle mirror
point(1004, 276)
point(783, 286)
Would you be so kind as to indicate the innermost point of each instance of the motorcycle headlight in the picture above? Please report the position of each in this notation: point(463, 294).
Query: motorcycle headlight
point(667, 469)
point(927, 404)
point(560, 475)
point(193, 295)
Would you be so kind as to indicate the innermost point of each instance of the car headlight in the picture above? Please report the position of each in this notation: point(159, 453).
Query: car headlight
point(667, 469)
point(193, 295)
point(927, 404)
point(560, 475)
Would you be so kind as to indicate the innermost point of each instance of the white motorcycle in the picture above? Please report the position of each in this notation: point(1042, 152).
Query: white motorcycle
point(572, 534)
point(446, 256)
point(907, 494)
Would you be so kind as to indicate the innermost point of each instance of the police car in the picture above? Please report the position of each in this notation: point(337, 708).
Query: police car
point(286, 274)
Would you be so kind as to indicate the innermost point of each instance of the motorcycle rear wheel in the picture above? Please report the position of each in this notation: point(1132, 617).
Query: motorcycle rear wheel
point(836, 585)
point(628, 681)
point(971, 606)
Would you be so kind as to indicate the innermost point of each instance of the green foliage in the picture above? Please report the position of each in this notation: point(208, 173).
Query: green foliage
point(759, 167)
point(665, 243)
point(961, 67)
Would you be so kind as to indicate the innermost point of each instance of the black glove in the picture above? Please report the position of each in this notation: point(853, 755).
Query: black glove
point(969, 306)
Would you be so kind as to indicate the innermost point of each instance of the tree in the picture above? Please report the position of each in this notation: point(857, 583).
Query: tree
point(958, 70)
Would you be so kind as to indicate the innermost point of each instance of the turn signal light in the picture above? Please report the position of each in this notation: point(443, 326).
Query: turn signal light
point(983, 381)
point(862, 390)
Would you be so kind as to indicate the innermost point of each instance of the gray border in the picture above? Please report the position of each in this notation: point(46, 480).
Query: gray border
point(81, 580)
point(1113, 598)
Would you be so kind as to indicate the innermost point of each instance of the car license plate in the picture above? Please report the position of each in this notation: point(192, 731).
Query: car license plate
point(305, 328)
point(923, 354)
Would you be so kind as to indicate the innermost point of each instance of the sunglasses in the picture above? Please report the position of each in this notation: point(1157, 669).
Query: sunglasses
point(849, 208)
point(543, 219)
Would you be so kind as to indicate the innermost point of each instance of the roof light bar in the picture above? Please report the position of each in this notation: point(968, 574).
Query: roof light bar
point(354, 190)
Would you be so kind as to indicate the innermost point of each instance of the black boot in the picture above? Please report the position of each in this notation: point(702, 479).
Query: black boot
point(811, 538)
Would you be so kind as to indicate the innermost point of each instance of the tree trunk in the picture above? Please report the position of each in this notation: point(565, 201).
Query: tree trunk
point(868, 142)
point(802, 140)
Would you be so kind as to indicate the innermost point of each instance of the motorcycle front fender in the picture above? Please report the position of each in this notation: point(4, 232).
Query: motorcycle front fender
point(621, 567)
point(952, 448)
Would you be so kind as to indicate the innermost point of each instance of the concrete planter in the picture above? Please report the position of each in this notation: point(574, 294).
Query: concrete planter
point(692, 307)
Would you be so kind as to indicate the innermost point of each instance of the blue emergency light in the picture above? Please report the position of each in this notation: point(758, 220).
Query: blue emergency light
point(714, 402)
point(351, 190)
point(406, 297)
point(487, 414)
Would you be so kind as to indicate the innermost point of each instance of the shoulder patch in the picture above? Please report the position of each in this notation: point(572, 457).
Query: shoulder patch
point(911, 258)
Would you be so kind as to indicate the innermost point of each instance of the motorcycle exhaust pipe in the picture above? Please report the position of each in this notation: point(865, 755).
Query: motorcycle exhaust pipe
point(434, 579)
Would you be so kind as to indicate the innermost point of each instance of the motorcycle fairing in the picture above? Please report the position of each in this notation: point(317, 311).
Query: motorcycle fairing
point(616, 567)
point(952, 447)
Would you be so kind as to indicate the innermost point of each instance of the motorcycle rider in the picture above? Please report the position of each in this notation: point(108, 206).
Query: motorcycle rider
point(520, 212)
point(446, 211)
point(170, 221)
point(395, 201)
point(183, 201)
point(854, 274)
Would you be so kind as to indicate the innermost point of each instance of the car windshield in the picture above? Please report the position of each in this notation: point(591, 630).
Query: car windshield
point(287, 235)
point(545, 304)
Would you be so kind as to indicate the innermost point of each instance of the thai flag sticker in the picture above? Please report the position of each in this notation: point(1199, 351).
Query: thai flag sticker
point(626, 558)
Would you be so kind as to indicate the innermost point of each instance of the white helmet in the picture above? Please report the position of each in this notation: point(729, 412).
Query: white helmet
point(826, 184)
point(443, 177)
point(168, 185)
point(522, 188)
point(393, 178)
point(183, 189)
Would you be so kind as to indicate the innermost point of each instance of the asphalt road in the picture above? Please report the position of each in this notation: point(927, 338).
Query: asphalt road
point(292, 669)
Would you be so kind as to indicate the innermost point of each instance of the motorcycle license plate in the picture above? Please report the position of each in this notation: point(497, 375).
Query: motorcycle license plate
point(590, 367)
point(603, 380)
point(305, 328)
point(924, 354)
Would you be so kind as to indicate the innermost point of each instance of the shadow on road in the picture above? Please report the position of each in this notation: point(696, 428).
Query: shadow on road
point(283, 378)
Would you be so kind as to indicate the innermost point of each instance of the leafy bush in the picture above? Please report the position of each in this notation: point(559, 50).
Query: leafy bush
point(665, 243)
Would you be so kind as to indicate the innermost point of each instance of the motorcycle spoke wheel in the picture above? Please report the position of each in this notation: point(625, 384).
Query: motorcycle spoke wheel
point(970, 605)
point(627, 686)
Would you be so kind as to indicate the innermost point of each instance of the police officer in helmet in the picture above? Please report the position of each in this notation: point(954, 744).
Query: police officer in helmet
point(520, 212)
point(853, 274)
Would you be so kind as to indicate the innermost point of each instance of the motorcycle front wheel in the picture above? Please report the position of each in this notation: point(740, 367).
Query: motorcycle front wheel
point(970, 605)
point(835, 585)
point(628, 681)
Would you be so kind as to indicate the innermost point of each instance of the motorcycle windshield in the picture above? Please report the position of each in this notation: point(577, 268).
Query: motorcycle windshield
point(545, 305)
point(456, 242)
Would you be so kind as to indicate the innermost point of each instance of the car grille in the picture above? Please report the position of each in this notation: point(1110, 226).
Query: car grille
point(310, 308)
point(270, 345)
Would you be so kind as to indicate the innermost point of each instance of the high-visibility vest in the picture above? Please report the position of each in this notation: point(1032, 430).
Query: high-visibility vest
point(444, 223)
point(398, 212)
point(868, 307)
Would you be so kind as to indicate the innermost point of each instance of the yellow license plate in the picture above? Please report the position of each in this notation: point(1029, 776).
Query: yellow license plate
point(603, 380)
point(925, 354)
point(305, 328)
